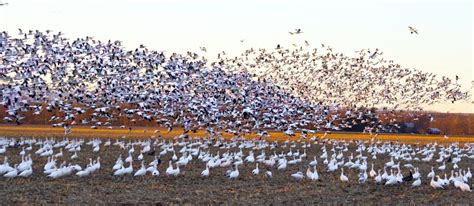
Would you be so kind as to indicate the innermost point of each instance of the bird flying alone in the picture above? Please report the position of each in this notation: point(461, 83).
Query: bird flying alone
point(297, 31)
point(413, 30)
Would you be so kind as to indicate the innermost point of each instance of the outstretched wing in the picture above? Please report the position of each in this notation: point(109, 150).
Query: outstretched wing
point(413, 30)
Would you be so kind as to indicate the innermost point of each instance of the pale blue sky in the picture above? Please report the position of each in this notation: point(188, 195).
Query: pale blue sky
point(444, 45)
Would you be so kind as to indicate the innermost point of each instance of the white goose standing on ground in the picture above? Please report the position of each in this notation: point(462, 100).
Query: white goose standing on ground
point(141, 171)
point(12, 174)
point(343, 177)
point(205, 172)
point(256, 171)
point(298, 175)
point(435, 184)
point(416, 183)
point(26, 173)
point(235, 173)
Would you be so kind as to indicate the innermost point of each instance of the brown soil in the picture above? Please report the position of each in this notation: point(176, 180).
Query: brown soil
point(190, 188)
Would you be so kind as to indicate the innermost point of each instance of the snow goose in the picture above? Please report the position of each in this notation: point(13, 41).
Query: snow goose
point(343, 177)
point(465, 187)
point(442, 167)
point(250, 158)
point(235, 173)
point(468, 173)
point(372, 172)
point(118, 164)
point(416, 175)
point(174, 158)
point(155, 161)
point(171, 171)
point(312, 175)
point(363, 176)
point(141, 171)
point(129, 158)
point(391, 163)
point(12, 173)
point(124, 170)
point(83, 173)
point(96, 166)
point(205, 173)
point(48, 152)
point(74, 156)
point(23, 152)
point(26, 173)
point(96, 149)
point(283, 165)
point(309, 174)
point(298, 175)
point(152, 167)
point(392, 179)
point(25, 164)
point(314, 162)
point(155, 172)
point(269, 174)
point(435, 184)
point(431, 174)
point(378, 178)
point(416, 183)
point(50, 169)
point(256, 170)
point(3, 149)
point(60, 154)
point(444, 182)
point(129, 169)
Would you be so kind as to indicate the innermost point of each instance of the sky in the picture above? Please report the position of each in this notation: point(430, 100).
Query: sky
point(443, 46)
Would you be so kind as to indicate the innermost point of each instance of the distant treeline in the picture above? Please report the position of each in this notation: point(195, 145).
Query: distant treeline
point(448, 123)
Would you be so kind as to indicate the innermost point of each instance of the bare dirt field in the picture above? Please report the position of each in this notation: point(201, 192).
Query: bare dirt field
point(190, 188)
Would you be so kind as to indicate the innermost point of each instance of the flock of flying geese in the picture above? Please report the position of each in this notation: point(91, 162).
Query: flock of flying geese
point(365, 78)
point(89, 82)
point(330, 158)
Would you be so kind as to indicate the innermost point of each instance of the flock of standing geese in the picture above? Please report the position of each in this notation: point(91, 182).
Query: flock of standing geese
point(54, 80)
point(315, 160)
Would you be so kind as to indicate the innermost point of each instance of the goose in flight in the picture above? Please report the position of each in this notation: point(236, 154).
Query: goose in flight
point(413, 30)
point(297, 31)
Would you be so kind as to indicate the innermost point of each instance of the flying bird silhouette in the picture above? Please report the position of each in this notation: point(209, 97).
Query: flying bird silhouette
point(413, 30)
point(297, 31)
